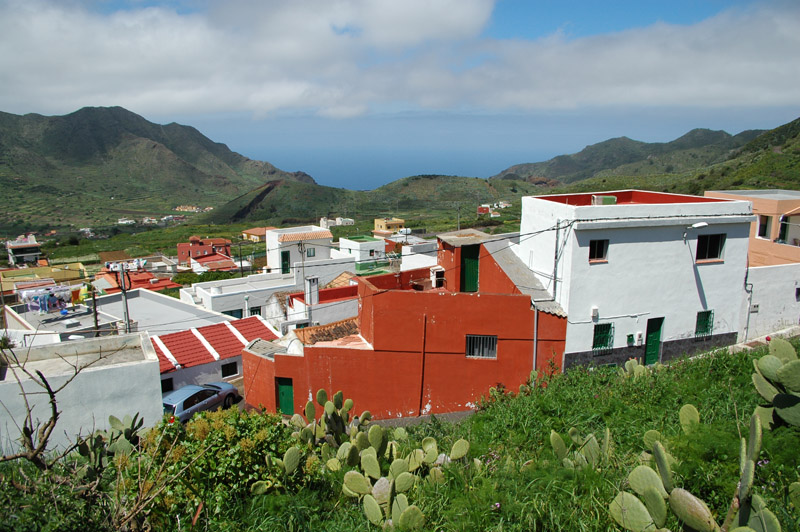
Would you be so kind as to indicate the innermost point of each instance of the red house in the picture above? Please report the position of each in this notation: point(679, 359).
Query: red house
point(425, 341)
point(199, 247)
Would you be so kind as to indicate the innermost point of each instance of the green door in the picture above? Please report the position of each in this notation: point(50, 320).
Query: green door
point(285, 395)
point(469, 268)
point(284, 262)
point(652, 346)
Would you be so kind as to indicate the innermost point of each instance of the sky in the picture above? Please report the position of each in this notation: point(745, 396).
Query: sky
point(358, 93)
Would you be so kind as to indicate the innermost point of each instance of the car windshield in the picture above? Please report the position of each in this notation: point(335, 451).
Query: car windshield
point(211, 387)
point(169, 409)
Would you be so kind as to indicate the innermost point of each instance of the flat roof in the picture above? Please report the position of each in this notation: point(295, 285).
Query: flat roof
point(361, 238)
point(247, 285)
point(79, 318)
point(159, 314)
point(464, 237)
point(629, 197)
point(777, 194)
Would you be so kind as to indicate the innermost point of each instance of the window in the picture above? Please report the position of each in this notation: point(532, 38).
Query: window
point(705, 324)
point(481, 346)
point(255, 311)
point(709, 247)
point(167, 385)
point(764, 226)
point(797, 294)
point(603, 340)
point(598, 250)
point(310, 252)
point(229, 370)
point(372, 253)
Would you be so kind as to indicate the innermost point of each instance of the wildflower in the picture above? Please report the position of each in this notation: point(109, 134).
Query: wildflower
point(497, 506)
point(762, 463)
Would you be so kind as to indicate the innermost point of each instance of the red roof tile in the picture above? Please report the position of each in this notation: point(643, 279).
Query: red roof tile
point(187, 349)
point(164, 365)
point(309, 235)
point(252, 328)
point(224, 342)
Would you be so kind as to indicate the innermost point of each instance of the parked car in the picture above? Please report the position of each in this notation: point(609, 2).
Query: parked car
point(184, 402)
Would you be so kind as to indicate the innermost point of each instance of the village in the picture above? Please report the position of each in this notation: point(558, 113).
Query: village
point(408, 326)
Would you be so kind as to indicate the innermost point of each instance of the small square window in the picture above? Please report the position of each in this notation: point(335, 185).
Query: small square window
point(372, 253)
point(704, 325)
point(229, 370)
point(603, 340)
point(167, 385)
point(598, 250)
point(481, 346)
point(710, 247)
point(310, 252)
point(797, 294)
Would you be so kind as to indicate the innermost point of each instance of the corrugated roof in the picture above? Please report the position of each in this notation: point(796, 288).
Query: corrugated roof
point(304, 235)
point(329, 332)
point(522, 277)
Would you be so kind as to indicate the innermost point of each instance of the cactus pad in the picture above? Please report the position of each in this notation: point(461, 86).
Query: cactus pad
point(338, 400)
point(375, 436)
point(656, 506)
point(766, 415)
point(692, 511)
point(575, 436)
point(322, 397)
point(459, 450)
point(415, 459)
point(260, 487)
point(370, 465)
point(399, 504)
point(782, 349)
point(291, 459)
point(362, 441)
point(754, 443)
point(382, 490)
point(746, 480)
point(629, 513)
point(768, 366)
point(689, 417)
point(333, 464)
point(559, 447)
point(435, 476)
point(764, 388)
point(650, 437)
point(404, 482)
point(372, 510)
point(398, 466)
point(794, 494)
point(663, 465)
point(591, 451)
point(643, 477)
point(352, 457)
point(400, 434)
point(411, 518)
point(789, 375)
point(787, 407)
point(357, 483)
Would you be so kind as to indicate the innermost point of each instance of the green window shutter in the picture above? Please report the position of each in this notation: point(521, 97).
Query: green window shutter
point(704, 325)
point(603, 338)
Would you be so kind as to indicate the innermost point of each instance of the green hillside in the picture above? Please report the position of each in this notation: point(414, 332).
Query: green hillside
point(623, 156)
point(98, 164)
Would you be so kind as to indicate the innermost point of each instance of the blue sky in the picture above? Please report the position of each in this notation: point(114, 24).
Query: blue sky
point(361, 92)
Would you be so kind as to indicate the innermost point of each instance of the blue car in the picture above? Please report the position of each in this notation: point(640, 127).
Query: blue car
point(184, 402)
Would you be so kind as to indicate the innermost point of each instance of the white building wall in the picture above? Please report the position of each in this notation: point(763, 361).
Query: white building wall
point(86, 402)
point(361, 250)
point(651, 273)
point(204, 373)
point(775, 300)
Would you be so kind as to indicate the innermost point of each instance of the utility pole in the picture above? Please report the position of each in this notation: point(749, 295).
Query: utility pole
point(458, 206)
point(124, 288)
point(241, 268)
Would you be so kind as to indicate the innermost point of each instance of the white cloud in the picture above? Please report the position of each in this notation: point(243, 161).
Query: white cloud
point(342, 58)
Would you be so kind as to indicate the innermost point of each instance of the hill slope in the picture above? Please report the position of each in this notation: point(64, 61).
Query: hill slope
point(623, 156)
point(97, 164)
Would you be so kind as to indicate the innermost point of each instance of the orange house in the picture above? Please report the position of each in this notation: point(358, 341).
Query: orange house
point(199, 247)
point(425, 341)
point(775, 236)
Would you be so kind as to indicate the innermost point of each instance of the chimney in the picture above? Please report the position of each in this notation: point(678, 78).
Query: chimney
point(312, 290)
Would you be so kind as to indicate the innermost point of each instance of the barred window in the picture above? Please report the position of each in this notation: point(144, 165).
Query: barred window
point(603, 338)
point(481, 346)
point(709, 247)
point(704, 325)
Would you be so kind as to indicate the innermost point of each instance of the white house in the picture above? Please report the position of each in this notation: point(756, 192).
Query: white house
point(287, 246)
point(368, 251)
point(419, 255)
point(640, 274)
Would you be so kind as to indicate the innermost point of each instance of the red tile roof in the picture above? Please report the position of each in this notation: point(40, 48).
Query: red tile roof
point(307, 235)
point(187, 349)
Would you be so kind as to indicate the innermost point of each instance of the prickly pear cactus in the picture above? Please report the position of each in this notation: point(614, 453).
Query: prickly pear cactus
point(777, 381)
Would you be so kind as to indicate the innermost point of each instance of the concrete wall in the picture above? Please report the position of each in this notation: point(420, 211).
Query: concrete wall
point(774, 302)
point(99, 391)
point(361, 250)
point(418, 256)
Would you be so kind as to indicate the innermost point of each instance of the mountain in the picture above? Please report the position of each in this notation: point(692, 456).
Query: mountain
point(101, 163)
point(700, 160)
point(623, 156)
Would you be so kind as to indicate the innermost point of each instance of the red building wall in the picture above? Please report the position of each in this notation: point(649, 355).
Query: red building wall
point(419, 363)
